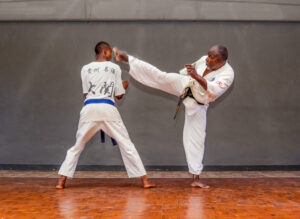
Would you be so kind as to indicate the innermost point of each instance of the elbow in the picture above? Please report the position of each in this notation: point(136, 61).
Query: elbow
point(125, 84)
point(119, 96)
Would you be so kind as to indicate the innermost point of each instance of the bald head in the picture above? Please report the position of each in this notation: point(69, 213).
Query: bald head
point(216, 57)
point(223, 52)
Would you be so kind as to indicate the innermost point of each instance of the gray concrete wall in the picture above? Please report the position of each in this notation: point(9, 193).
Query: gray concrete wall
point(257, 122)
point(87, 10)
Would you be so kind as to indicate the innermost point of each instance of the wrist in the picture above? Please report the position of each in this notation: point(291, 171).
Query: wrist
point(194, 75)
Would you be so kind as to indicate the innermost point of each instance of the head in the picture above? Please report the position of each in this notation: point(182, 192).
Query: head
point(103, 51)
point(216, 57)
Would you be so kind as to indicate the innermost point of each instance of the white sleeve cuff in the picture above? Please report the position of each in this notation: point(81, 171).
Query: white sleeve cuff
point(119, 91)
point(130, 58)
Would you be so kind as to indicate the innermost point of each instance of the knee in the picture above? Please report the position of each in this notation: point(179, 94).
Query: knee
point(161, 75)
point(129, 150)
point(77, 148)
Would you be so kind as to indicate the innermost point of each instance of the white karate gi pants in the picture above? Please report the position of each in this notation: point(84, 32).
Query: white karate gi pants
point(195, 114)
point(114, 129)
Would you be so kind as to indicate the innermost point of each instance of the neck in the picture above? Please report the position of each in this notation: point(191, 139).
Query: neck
point(218, 66)
point(101, 59)
point(221, 65)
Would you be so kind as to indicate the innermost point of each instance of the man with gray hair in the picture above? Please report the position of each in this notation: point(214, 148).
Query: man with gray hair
point(197, 85)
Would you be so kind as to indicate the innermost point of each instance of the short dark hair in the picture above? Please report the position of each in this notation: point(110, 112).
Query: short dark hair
point(100, 46)
point(223, 52)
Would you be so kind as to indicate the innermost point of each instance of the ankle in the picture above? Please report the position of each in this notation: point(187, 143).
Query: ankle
point(144, 179)
point(196, 177)
point(62, 179)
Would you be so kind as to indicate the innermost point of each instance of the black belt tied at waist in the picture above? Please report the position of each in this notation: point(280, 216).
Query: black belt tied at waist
point(187, 93)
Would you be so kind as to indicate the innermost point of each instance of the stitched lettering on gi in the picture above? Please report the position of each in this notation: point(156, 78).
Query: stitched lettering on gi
point(91, 87)
point(96, 70)
point(107, 89)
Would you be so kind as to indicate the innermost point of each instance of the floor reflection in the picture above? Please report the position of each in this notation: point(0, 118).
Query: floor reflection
point(195, 207)
point(22, 198)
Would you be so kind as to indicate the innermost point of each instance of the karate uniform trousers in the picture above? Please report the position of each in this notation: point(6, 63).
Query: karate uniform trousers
point(194, 131)
point(115, 129)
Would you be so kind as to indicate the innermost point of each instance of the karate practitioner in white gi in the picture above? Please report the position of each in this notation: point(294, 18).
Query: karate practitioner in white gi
point(204, 81)
point(101, 80)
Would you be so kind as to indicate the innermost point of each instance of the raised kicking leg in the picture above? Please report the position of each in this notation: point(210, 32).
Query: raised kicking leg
point(151, 76)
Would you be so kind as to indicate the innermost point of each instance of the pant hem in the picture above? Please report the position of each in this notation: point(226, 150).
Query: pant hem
point(138, 175)
point(67, 175)
point(195, 173)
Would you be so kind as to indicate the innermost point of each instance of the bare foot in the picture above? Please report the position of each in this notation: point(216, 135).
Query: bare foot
point(198, 184)
point(61, 182)
point(146, 183)
point(121, 56)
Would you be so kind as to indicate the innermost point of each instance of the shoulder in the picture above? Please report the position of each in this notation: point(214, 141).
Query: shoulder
point(115, 66)
point(229, 69)
point(226, 72)
point(84, 70)
point(85, 67)
point(201, 61)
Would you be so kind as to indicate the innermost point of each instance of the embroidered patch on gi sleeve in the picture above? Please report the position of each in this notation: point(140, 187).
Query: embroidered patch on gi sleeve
point(224, 84)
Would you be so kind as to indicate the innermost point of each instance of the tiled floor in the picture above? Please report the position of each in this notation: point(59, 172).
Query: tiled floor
point(233, 195)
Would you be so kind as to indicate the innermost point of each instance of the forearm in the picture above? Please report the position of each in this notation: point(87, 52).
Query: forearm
point(200, 80)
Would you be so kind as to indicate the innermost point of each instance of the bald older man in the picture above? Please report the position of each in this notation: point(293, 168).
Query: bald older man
point(197, 85)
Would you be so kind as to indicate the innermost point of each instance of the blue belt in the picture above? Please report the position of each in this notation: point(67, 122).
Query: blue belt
point(107, 101)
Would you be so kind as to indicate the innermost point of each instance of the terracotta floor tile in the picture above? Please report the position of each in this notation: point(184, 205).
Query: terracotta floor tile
point(23, 198)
